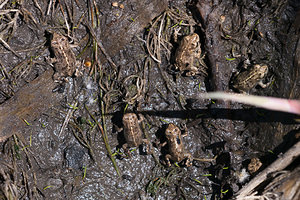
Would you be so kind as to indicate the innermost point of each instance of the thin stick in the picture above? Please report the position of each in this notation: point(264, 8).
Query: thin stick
point(105, 139)
point(39, 7)
point(100, 45)
point(68, 117)
point(8, 47)
point(205, 159)
point(65, 18)
point(3, 4)
point(49, 6)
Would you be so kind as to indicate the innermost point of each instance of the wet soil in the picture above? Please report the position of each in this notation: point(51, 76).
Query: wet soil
point(69, 145)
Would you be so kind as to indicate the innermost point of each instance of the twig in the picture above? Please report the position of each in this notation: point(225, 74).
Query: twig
point(159, 38)
point(68, 117)
point(49, 7)
point(65, 18)
point(29, 49)
point(26, 13)
point(39, 7)
point(100, 45)
point(4, 12)
point(8, 47)
point(205, 159)
point(105, 139)
point(3, 4)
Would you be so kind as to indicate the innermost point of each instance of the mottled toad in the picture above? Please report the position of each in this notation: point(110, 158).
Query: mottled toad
point(247, 80)
point(133, 132)
point(175, 145)
point(188, 56)
point(65, 63)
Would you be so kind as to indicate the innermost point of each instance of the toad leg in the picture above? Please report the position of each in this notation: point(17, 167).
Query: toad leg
point(189, 159)
point(264, 85)
point(148, 146)
point(168, 157)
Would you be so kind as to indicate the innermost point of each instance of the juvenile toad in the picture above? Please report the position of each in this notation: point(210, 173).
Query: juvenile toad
point(254, 165)
point(247, 80)
point(65, 64)
point(133, 132)
point(188, 56)
point(176, 147)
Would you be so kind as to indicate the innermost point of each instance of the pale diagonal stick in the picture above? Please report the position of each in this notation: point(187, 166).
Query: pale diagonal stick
point(270, 103)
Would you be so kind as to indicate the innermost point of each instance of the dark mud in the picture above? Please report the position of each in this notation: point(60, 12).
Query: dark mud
point(72, 149)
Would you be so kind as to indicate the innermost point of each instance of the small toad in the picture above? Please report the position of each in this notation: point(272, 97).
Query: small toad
point(247, 80)
point(176, 147)
point(65, 63)
point(188, 56)
point(254, 165)
point(133, 132)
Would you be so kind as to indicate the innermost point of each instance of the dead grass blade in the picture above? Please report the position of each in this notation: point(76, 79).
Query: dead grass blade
point(3, 4)
point(100, 45)
point(68, 117)
point(105, 138)
point(39, 7)
point(8, 47)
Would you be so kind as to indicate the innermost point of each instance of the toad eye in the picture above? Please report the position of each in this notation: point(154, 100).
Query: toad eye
point(178, 140)
point(194, 44)
point(262, 75)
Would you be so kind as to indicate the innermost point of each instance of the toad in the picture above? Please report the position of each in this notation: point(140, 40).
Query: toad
point(133, 132)
point(176, 147)
point(188, 58)
point(65, 63)
point(254, 165)
point(247, 80)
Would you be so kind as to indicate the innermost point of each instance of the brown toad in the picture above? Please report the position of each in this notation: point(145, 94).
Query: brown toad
point(133, 132)
point(188, 56)
point(247, 80)
point(176, 147)
point(254, 165)
point(65, 63)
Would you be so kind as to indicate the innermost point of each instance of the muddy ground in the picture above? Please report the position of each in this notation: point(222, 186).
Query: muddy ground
point(72, 148)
